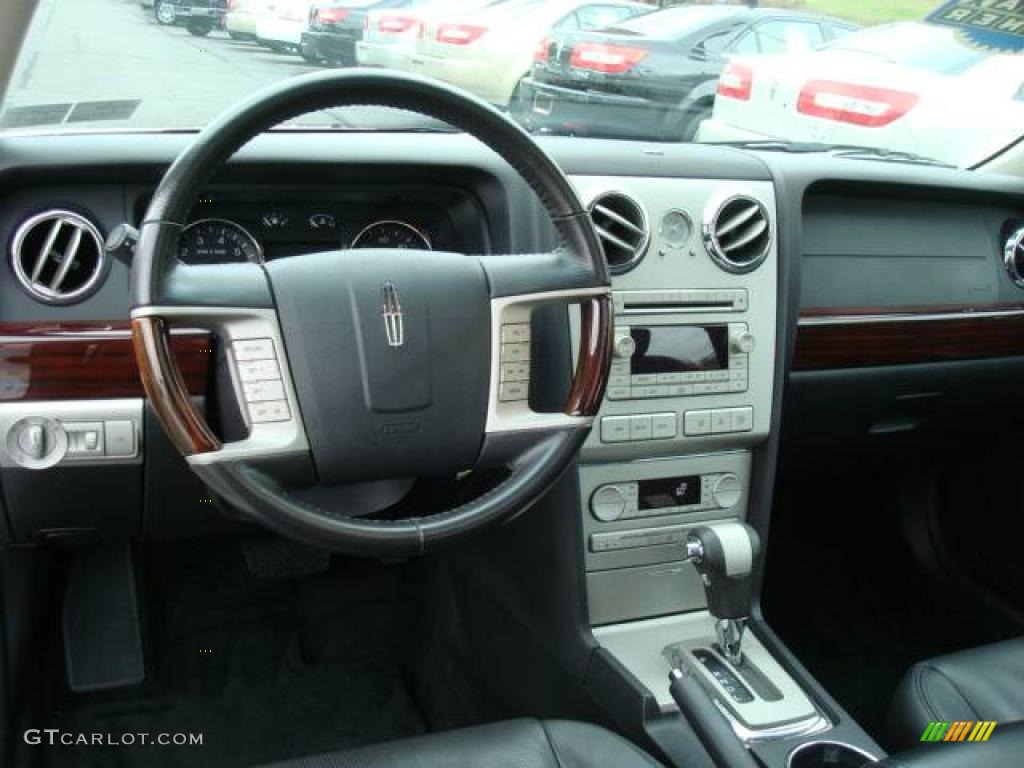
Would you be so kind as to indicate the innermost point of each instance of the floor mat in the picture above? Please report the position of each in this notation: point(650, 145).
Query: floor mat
point(264, 670)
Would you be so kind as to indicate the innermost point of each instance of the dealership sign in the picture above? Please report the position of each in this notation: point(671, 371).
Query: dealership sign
point(992, 25)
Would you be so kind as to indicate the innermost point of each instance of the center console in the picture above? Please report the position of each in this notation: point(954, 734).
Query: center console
point(695, 287)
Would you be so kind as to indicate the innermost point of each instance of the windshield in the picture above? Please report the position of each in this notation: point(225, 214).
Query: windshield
point(913, 81)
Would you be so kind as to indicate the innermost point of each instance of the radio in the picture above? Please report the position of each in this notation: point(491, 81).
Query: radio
point(665, 496)
point(679, 360)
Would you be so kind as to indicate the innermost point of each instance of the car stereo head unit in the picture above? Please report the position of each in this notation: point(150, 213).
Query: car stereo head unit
point(679, 360)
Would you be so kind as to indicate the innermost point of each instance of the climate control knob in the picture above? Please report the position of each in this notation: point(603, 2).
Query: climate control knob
point(727, 491)
point(608, 503)
point(742, 343)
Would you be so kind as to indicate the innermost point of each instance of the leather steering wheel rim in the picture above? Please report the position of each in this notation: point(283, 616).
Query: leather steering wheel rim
point(164, 289)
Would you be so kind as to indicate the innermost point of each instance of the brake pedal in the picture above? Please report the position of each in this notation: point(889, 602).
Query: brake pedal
point(281, 559)
point(101, 624)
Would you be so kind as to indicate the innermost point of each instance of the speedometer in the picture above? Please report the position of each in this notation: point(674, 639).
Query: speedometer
point(391, 234)
point(217, 241)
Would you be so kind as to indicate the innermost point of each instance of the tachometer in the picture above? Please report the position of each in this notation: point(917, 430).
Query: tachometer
point(217, 241)
point(391, 234)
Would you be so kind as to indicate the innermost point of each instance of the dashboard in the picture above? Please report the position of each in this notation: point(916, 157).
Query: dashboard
point(733, 272)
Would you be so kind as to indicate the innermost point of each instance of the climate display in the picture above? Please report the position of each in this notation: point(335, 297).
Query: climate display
point(667, 492)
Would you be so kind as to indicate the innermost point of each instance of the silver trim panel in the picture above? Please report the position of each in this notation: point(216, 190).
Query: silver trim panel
point(909, 317)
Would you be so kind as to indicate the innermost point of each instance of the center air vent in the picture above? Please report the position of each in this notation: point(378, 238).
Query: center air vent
point(58, 257)
point(621, 224)
point(738, 234)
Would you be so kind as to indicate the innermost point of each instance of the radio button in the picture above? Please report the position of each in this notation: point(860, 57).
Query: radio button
point(721, 422)
point(615, 429)
point(740, 375)
point(697, 423)
point(742, 419)
point(642, 379)
point(670, 378)
point(680, 390)
point(718, 375)
point(620, 368)
point(738, 362)
point(742, 343)
point(619, 380)
point(738, 386)
point(663, 426)
point(624, 346)
point(640, 428)
point(618, 393)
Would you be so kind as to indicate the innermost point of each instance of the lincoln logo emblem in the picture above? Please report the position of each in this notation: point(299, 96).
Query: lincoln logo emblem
point(393, 325)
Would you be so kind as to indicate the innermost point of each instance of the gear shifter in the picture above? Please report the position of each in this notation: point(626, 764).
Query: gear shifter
point(725, 555)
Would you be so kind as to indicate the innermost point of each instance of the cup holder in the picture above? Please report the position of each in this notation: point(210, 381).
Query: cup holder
point(828, 754)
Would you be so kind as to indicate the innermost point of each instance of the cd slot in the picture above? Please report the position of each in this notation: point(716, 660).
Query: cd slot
point(702, 306)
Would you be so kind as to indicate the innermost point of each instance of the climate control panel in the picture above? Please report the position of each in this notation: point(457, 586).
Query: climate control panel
point(665, 496)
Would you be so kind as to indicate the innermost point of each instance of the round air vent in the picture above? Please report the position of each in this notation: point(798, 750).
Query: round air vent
point(58, 257)
point(621, 224)
point(1013, 256)
point(738, 234)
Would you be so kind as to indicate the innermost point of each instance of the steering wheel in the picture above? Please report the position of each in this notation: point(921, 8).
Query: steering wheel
point(375, 363)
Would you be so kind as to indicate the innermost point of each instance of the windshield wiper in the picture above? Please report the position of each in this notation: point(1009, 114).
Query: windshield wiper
point(838, 150)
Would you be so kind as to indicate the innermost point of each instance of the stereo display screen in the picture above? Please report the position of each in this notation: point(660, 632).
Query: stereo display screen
point(679, 348)
point(666, 492)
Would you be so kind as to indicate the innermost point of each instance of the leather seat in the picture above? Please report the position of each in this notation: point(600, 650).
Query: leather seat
point(985, 683)
point(511, 744)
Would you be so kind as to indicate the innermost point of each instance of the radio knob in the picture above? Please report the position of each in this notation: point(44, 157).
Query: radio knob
point(727, 491)
point(608, 503)
point(625, 347)
point(742, 343)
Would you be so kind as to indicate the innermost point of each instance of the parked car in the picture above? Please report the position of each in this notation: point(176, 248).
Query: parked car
point(902, 87)
point(281, 24)
point(335, 28)
point(389, 34)
point(200, 17)
point(490, 52)
point(243, 16)
point(654, 76)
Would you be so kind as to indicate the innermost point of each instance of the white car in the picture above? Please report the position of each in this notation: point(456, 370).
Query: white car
point(389, 37)
point(489, 52)
point(906, 87)
point(282, 23)
point(243, 17)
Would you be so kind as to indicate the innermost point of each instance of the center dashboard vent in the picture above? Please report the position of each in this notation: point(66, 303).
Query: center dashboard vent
point(58, 257)
point(738, 234)
point(621, 224)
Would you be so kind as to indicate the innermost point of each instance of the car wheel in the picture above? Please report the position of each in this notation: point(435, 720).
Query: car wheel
point(199, 27)
point(690, 122)
point(237, 36)
point(164, 12)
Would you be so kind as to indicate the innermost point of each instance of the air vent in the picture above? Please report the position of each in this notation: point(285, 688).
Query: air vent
point(621, 224)
point(1013, 256)
point(58, 257)
point(738, 234)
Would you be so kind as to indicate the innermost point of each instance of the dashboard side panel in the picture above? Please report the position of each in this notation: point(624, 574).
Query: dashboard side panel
point(83, 361)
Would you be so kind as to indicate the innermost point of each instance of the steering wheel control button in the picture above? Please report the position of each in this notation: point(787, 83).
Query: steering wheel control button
point(615, 429)
point(269, 411)
point(119, 437)
point(515, 353)
point(608, 503)
point(696, 423)
point(254, 349)
point(511, 391)
point(257, 391)
point(259, 370)
point(515, 372)
point(727, 491)
point(515, 333)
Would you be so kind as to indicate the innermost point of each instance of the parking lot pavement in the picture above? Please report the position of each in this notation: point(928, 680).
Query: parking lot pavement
point(102, 50)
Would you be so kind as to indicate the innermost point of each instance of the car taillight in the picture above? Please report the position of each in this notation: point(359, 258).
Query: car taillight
point(736, 81)
point(330, 15)
point(395, 25)
point(603, 57)
point(542, 53)
point(863, 105)
point(459, 34)
point(232, 5)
